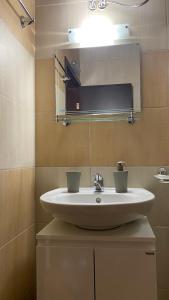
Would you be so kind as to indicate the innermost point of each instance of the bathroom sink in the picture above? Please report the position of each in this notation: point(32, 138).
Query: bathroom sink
point(93, 210)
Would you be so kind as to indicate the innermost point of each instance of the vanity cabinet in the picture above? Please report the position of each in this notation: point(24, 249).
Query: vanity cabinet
point(125, 274)
point(76, 264)
point(65, 273)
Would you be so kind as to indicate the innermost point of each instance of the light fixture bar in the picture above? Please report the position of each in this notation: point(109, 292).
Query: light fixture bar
point(129, 5)
point(84, 37)
point(94, 4)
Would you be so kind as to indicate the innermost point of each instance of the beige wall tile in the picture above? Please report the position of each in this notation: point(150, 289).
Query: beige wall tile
point(17, 103)
point(155, 79)
point(17, 133)
point(147, 24)
point(167, 11)
point(53, 23)
point(17, 261)
point(144, 144)
point(17, 202)
point(102, 143)
point(26, 36)
point(45, 93)
point(62, 16)
point(57, 145)
point(17, 70)
point(162, 235)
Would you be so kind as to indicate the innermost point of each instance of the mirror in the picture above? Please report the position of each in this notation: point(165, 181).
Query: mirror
point(98, 80)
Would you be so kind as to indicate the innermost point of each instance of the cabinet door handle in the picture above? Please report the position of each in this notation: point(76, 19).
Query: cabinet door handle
point(150, 253)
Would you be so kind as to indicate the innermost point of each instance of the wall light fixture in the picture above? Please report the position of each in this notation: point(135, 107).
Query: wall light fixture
point(101, 4)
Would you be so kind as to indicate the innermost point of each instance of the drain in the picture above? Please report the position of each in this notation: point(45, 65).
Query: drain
point(98, 200)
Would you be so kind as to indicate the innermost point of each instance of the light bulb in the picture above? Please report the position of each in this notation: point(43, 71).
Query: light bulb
point(92, 4)
point(102, 4)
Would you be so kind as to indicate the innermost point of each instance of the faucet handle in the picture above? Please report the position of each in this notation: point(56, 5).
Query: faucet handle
point(98, 182)
point(163, 171)
point(98, 177)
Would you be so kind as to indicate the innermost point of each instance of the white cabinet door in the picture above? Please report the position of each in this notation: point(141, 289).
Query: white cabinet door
point(125, 274)
point(65, 273)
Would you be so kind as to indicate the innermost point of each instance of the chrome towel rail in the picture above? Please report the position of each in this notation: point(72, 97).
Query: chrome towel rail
point(24, 20)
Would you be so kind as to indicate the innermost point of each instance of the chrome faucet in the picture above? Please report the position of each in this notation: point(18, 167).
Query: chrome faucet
point(98, 182)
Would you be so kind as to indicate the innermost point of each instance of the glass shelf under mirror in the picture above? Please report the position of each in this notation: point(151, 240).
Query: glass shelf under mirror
point(72, 118)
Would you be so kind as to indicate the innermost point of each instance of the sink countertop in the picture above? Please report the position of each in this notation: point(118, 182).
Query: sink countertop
point(137, 231)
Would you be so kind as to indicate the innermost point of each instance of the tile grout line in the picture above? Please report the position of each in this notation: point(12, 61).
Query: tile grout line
point(89, 141)
point(17, 236)
point(17, 168)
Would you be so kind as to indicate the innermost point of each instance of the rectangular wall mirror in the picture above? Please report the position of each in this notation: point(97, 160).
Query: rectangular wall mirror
point(97, 80)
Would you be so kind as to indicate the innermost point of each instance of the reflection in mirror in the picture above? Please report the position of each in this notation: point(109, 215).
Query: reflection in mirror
point(97, 81)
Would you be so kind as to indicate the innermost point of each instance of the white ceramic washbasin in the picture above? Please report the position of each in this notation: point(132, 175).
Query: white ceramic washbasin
point(82, 208)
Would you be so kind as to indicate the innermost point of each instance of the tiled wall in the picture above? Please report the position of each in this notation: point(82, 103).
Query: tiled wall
point(144, 146)
point(145, 143)
point(17, 173)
